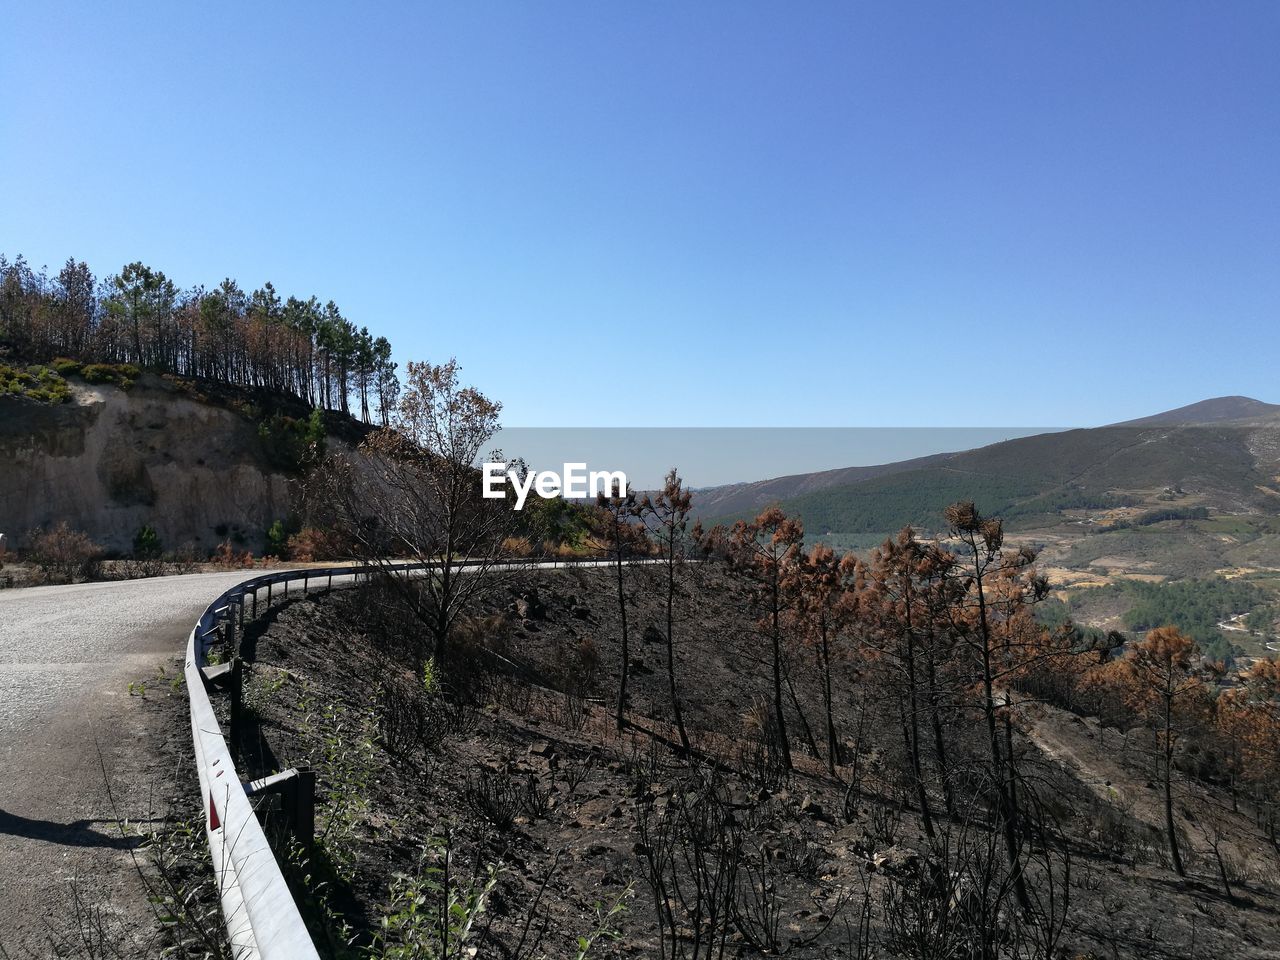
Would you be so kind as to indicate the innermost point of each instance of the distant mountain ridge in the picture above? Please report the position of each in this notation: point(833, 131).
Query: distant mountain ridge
point(1226, 448)
point(1215, 410)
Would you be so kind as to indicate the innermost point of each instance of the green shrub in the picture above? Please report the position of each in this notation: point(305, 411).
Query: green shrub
point(66, 366)
point(431, 915)
point(99, 373)
point(289, 444)
point(36, 382)
point(277, 539)
point(146, 543)
point(435, 912)
point(430, 678)
point(119, 374)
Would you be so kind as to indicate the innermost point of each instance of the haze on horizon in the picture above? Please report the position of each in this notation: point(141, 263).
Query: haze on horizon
point(935, 216)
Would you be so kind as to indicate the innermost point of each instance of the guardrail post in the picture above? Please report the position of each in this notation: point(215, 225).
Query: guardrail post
point(304, 807)
point(306, 578)
point(231, 631)
point(228, 676)
point(269, 594)
point(297, 792)
point(237, 678)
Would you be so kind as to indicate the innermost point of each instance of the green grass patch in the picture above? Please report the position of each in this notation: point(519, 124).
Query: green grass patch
point(66, 366)
point(119, 374)
point(39, 383)
point(1241, 528)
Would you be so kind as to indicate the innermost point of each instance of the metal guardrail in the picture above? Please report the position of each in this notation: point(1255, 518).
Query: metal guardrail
point(262, 919)
point(261, 916)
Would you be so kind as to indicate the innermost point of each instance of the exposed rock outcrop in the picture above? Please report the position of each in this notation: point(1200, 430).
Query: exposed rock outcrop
point(114, 460)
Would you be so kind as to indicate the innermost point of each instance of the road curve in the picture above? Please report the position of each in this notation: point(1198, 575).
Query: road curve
point(67, 657)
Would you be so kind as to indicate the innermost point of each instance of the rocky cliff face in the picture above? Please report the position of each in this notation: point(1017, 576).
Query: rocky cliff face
point(113, 460)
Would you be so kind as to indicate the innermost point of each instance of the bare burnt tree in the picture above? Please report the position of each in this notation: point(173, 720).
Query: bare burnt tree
point(762, 549)
point(690, 856)
point(1161, 674)
point(666, 516)
point(820, 584)
point(944, 683)
point(953, 898)
point(1248, 717)
point(413, 492)
point(892, 613)
point(994, 587)
point(613, 529)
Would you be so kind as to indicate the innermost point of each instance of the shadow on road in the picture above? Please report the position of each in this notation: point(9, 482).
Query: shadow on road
point(77, 833)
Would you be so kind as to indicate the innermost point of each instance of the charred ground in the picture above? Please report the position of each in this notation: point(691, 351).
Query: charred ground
point(521, 764)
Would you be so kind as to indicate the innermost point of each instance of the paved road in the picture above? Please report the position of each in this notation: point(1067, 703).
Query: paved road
point(67, 656)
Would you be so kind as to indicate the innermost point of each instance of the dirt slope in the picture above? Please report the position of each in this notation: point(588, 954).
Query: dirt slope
point(114, 460)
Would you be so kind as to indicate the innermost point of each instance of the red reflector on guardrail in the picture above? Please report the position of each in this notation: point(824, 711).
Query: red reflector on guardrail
point(214, 822)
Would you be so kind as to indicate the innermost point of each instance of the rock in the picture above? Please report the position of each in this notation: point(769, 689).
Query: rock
point(596, 811)
point(813, 808)
point(737, 797)
point(540, 748)
point(896, 861)
point(849, 833)
point(529, 607)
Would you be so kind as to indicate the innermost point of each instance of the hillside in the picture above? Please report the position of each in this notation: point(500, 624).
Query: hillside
point(199, 462)
point(1215, 410)
point(1186, 496)
point(1226, 450)
point(541, 781)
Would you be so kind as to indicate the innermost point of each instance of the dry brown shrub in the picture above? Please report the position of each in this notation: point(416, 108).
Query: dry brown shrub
point(226, 556)
point(63, 554)
point(310, 544)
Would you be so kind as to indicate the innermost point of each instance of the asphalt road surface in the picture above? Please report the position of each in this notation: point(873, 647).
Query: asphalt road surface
point(67, 657)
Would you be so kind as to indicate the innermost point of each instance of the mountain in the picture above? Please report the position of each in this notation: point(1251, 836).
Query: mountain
point(1221, 454)
point(741, 498)
point(1216, 410)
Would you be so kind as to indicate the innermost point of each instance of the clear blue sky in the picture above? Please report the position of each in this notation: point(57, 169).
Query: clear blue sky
point(704, 213)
